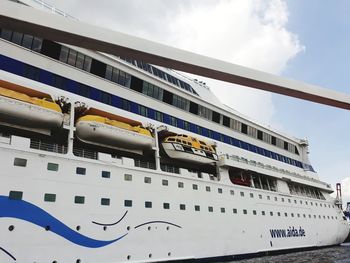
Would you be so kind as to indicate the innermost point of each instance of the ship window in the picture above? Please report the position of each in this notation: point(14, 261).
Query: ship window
point(220, 190)
point(81, 170)
point(17, 38)
point(50, 198)
point(195, 187)
point(148, 204)
point(244, 128)
point(106, 98)
point(143, 110)
point(197, 208)
point(273, 140)
point(260, 135)
point(27, 41)
point(148, 180)
point(126, 105)
point(232, 192)
point(173, 121)
point(245, 211)
point(226, 121)
point(64, 54)
point(166, 205)
point(180, 184)
point(182, 207)
point(20, 162)
point(242, 193)
point(52, 167)
point(251, 195)
point(254, 212)
point(222, 209)
point(278, 213)
point(72, 57)
point(31, 72)
point(207, 188)
point(271, 213)
point(87, 63)
point(215, 117)
point(80, 61)
point(79, 199)
point(298, 215)
point(285, 146)
point(127, 177)
point(268, 197)
point(210, 209)
point(6, 34)
point(128, 203)
point(159, 116)
point(263, 213)
point(282, 199)
point(275, 198)
point(105, 201)
point(106, 174)
point(15, 195)
point(84, 90)
point(165, 182)
point(286, 214)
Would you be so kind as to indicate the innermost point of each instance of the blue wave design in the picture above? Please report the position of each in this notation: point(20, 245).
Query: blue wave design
point(31, 213)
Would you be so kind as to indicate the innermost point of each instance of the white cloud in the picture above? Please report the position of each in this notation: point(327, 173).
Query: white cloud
point(247, 32)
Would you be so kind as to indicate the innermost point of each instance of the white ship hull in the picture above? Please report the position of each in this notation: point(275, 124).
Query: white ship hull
point(146, 234)
point(21, 113)
point(176, 151)
point(110, 136)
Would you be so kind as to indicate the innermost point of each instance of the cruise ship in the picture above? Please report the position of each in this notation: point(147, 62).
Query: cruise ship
point(111, 159)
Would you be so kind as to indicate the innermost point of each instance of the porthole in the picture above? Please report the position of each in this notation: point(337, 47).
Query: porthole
point(149, 228)
point(47, 228)
point(169, 254)
point(167, 228)
point(11, 227)
point(78, 261)
point(150, 255)
point(104, 228)
point(77, 228)
point(128, 257)
point(128, 228)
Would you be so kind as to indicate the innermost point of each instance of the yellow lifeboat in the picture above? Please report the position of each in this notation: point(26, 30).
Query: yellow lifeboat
point(103, 131)
point(18, 108)
point(190, 149)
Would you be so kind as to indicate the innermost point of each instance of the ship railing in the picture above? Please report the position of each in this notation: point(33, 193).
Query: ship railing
point(170, 168)
point(145, 164)
point(85, 153)
point(52, 9)
point(272, 168)
point(47, 146)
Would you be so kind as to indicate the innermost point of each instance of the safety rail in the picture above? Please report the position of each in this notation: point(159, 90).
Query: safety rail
point(53, 9)
point(145, 164)
point(47, 146)
point(237, 158)
point(85, 153)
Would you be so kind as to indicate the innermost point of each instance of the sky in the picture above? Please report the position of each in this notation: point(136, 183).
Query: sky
point(303, 40)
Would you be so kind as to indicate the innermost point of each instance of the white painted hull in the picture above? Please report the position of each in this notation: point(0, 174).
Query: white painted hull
point(176, 151)
point(110, 136)
point(21, 113)
point(174, 234)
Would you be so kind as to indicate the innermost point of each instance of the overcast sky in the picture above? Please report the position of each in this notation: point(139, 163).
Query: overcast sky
point(304, 40)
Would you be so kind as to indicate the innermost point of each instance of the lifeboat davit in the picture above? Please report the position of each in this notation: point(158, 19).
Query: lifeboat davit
point(19, 109)
point(189, 149)
point(102, 131)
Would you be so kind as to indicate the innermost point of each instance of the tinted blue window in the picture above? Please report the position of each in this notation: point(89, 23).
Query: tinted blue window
point(244, 145)
point(273, 155)
point(237, 143)
point(227, 139)
point(95, 94)
point(134, 107)
point(11, 65)
point(72, 86)
point(180, 123)
point(253, 148)
point(193, 128)
point(216, 136)
point(205, 132)
point(166, 118)
point(116, 101)
point(151, 113)
point(267, 153)
point(46, 77)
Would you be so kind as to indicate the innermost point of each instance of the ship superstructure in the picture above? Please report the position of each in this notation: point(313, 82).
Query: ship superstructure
point(110, 159)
